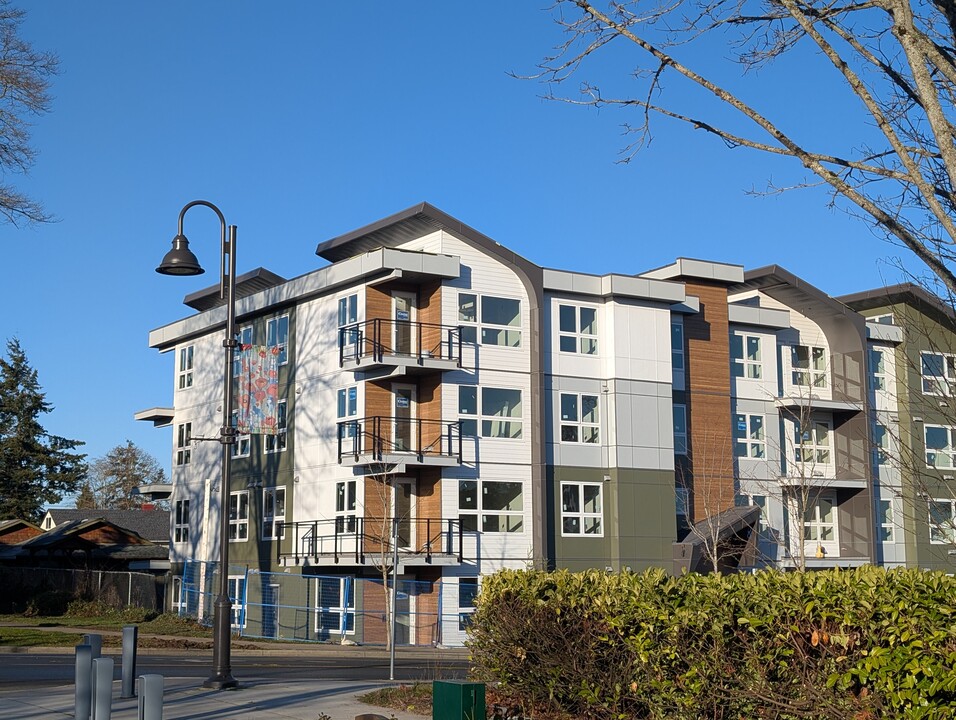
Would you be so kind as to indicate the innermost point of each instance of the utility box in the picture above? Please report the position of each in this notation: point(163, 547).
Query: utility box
point(454, 700)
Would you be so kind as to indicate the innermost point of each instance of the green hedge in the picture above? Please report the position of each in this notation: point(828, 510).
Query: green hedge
point(859, 644)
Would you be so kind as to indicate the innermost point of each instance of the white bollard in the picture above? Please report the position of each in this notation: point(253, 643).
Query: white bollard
point(102, 688)
point(83, 701)
point(150, 697)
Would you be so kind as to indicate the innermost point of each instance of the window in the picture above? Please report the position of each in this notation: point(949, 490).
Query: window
point(809, 366)
point(682, 502)
point(181, 522)
point(812, 443)
point(939, 373)
point(749, 439)
point(347, 408)
point(277, 336)
point(582, 509)
point(237, 595)
point(884, 521)
point(677, 347)
point(579, 418)
point(345, 507)
point(760, 501)
point(500, 505)
point(177, 602)
point(942, 521)
point(239, 516)
point(883, 319)
point(577, 329)
point(881, 444)
point(334, 606)
point(745, 351)
point(680, 430)
point(500, 413)
point(185, 367)
point(877, 369)
point(273, 513)
point(277, 442)
point(498, 323)
point(467, 592)
point(348, 310)
point(184, 433)
point(245, 338)
point(243, 441)
point(819, 520)
point(940, 449)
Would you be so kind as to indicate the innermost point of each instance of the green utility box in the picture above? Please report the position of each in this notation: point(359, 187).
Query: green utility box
point(454, 700)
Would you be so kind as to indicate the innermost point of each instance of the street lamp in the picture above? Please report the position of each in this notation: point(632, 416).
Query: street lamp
point(181, 261)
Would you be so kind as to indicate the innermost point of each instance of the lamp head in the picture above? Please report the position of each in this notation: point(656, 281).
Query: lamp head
point(180, 260)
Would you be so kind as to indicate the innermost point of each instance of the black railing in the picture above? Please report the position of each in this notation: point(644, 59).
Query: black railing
point(378, 436)
point(380, 337)
point(369, 539)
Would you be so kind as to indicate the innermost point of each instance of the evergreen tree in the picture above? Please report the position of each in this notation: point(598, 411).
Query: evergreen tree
point(114, 476)
point(36, 467)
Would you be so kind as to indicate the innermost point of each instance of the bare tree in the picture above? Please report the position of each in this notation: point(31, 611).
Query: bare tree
point(895, 59)
point(114, 477)
point(25, 76)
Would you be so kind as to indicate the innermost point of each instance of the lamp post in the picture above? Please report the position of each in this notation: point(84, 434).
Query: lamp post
point(181, 261)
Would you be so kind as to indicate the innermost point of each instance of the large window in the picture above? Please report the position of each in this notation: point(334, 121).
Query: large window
point(579, 418)
point(680, 429)
point(939, 373)
point(237, 595)
point(277, 336)
point(499, 504)
point(940, 448)
point(245, 338)
point(749, 440)
point(582, 509)
point(273, 513)
point(243, 440)
point(495, 320)
point(184, 433)
point(467, 593)
point(809, 365)
point(577, 329)
point(745, 351)
point(942, 521)
point(819, 520)
point(334, 606)
point(677, 347)
point(239, 516)
point(877, 369)
point(181, 522)
point(499, 412)
point(346, 408)
point(812, 443)
point(345, 506)
point(186, 367)
point(277, 442)
point(348, 315)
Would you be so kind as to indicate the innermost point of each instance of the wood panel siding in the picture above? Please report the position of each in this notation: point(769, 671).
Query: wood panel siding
point(429, 314)
point(429, 410)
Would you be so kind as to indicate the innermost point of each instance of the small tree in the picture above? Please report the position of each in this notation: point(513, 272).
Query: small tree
point(35, 466)
point(114, 476)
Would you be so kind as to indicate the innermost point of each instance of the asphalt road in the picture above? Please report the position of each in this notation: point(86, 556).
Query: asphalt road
point(57, 669)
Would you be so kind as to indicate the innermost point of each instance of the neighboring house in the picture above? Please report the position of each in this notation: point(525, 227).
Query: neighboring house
point(511, 415)
point(13, 532)
point(149, 522)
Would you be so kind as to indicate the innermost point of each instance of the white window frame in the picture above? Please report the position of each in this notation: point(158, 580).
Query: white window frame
point(744, 366)
point(346, 499)
point(243, 444)
point(816, 525)
point(878, 376)
point(680, 436)
point(483, 424)
point(246, 336)
point(947, 451)
point(278, 442)
point(809, 442)
point(346, 407)
point(480, 518)
point(176, 601)
point(237, 594)
point(942, 531)
point(473, 329)
point(271, 520)
point(881, 444)
point(813, 374)
point(466, 610)
point(576, 339)
point(342, 610)
point(759, 501)
point(184, 433)
point(277, 336)
point(938, 385)
point(239, 516)
point(185, 373)
point(586, 432)
point(181, 521)
point(579, 514)
point(747, 445)
point(886, 520)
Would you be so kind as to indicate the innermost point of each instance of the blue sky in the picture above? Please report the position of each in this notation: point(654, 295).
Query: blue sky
point(304, 120)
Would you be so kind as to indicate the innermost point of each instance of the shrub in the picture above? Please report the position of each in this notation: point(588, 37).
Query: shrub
point(97, 609)
point(49, 603)
point(861, 643)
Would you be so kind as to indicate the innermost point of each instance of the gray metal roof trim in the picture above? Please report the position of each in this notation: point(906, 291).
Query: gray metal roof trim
point(774, 275)
point(901, 292)
point(246, 284)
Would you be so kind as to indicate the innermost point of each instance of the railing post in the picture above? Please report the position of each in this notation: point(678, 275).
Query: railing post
point(460, 544)
point(360, 540)
point(460, 446)
point(420, 356)
point(418, 438)
point(428, 541)
point(335, 540)
point(459, 346)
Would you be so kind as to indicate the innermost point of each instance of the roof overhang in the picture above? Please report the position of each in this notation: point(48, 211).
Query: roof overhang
point(159, 416)
point(246, 284)
point(691, 269)
point(607, 286)
point(814, 403)
point(902, 293)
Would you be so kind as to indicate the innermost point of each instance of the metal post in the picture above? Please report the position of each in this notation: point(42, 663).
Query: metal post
point(150, 697)
point(391, 650)
point(102, 688)
point(84, 682)
point(130, 633)
point(95, 642)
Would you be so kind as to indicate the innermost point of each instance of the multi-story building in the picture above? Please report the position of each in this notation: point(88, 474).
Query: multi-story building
point(442, 397)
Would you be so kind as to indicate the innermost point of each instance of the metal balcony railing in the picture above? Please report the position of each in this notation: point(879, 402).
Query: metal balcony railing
point(363, 539)
point(378, 436)
point(377, 338)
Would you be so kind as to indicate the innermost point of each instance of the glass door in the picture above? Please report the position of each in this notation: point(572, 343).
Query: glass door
point(403, 340)
point(403, 424)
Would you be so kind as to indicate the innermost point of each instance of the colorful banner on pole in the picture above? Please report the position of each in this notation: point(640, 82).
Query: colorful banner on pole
point(258, 398)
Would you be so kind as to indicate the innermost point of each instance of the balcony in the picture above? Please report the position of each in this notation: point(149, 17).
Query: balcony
point(389, 348)
point(368, 541)
point(407, 442)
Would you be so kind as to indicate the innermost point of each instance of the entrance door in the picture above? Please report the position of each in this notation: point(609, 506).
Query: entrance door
point(403, 510)
point(403, 432)
point(403, 315)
